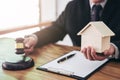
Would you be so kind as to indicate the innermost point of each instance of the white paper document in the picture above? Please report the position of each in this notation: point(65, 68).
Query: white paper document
point(77, 65)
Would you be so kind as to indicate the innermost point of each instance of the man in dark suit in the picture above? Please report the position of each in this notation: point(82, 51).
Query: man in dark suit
point(75, 16)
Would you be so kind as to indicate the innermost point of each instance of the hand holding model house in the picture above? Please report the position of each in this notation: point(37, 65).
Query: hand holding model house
point(96, 35)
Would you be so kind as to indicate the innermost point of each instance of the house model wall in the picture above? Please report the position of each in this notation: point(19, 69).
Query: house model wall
point(97, 35)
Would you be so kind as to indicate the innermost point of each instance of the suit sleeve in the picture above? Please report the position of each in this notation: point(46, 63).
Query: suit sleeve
point(56, 31)
point(116, 29)
point(53, 33)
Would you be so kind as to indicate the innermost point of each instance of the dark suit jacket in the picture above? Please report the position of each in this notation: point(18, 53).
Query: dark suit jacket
point(76, 16)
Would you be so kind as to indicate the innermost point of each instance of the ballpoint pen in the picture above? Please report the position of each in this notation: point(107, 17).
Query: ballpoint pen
point(65, 58)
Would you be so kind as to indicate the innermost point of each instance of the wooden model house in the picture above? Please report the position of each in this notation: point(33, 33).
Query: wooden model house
point(97, 35)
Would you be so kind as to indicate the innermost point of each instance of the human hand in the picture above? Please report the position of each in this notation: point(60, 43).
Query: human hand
point(29, 43)
point(91, 54)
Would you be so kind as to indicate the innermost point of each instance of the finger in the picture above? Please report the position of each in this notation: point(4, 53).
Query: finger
point(89, 53)
point(101, 57)
point(110, 51)
point(28, 50)
point(93, 53)
point(84, 51)
point(107, 53)
point(29, 43)
point(26, 42)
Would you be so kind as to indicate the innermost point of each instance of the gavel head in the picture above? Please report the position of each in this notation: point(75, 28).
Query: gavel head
point(19, 46)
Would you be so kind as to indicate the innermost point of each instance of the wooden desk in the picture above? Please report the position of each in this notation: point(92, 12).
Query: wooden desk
point(111, 71)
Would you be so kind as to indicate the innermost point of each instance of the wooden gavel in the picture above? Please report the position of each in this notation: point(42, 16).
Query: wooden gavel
point(19, 46)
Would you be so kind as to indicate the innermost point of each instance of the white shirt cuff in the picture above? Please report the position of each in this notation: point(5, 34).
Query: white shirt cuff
point(116, 56)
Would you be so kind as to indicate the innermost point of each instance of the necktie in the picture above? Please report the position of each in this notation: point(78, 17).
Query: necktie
point(96, 12)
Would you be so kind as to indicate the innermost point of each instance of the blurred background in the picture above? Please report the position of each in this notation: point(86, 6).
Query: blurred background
point(23, 17)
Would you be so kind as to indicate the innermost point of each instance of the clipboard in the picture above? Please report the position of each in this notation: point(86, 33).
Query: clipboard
point(77, 67)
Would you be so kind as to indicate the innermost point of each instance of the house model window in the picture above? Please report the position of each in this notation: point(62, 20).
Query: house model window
point(97, 35)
